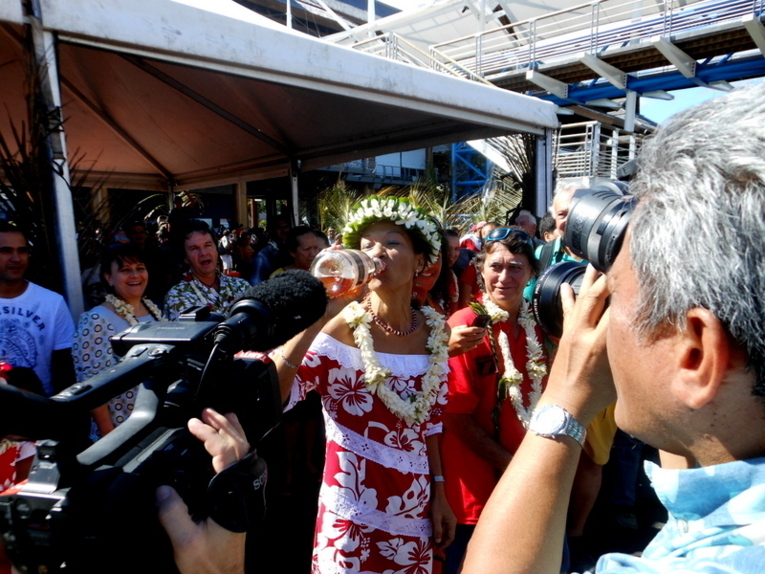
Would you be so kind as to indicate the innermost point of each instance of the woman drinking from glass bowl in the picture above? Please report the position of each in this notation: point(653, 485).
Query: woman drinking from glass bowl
point(494, 387)
point(123, 272)
point(380, 367)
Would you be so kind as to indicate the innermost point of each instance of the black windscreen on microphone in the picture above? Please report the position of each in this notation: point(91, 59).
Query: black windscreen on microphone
point(270, 314)
point(30, 415)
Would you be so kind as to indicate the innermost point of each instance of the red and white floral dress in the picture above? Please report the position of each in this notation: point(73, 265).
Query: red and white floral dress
point(12, 452)
point(374, 504)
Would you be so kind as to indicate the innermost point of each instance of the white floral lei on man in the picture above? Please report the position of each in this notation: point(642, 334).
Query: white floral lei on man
point(416, 407)
point(510, 381)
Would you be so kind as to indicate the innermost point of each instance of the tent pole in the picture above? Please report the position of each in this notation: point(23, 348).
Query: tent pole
point(544, 172)
point(240, 203)
point(294, 170)
point(64, 223)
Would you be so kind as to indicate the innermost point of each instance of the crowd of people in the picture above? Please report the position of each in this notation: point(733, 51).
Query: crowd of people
point(459, 436)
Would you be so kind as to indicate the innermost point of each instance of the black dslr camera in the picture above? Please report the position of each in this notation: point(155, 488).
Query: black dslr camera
point(93, 510)
point(595, 229)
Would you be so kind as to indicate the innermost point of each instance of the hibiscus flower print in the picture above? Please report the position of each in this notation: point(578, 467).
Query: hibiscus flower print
point(400, 385)
point(350, 392)
point(404, 439)
point(331, 559)
point(411, 503)
point(390, 548)
point(414, 556)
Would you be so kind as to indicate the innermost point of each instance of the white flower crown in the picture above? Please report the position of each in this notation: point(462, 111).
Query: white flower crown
point(398, 210)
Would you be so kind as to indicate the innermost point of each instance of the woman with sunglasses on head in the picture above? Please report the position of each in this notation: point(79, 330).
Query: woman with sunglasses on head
point(124, 275)
point(380, 368)
point(494, 387)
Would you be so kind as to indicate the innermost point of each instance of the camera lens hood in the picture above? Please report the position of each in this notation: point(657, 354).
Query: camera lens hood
point(597, 222)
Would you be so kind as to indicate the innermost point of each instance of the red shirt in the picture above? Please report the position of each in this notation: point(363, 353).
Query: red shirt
point(470, 277)
point(473, 390)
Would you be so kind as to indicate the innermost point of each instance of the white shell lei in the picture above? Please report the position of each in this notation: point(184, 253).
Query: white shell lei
point(126, 311)
point(535, 366)
point(415, 408)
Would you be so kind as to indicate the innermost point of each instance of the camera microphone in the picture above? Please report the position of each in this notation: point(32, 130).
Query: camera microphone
point(270, 314)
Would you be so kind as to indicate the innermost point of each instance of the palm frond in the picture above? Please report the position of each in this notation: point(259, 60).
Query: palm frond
point(334, 205)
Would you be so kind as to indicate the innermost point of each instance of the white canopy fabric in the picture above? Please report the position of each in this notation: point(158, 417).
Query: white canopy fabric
point(159, 94)
point(193, 93)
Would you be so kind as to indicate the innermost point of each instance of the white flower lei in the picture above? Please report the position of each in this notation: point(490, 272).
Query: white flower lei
point(126, 311)
point(416, 407)
point(536, 368)
point(394, 209)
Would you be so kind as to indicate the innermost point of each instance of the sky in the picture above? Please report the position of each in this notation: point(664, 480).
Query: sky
point(659, 110)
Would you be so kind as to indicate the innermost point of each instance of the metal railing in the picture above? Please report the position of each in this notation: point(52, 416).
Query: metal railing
point(593, 150)
point(370, 168)
point(395, 47)
point(593, 27)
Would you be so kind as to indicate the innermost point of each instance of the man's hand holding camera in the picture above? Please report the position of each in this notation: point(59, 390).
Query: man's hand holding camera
point(206, 547)
point(580, 380)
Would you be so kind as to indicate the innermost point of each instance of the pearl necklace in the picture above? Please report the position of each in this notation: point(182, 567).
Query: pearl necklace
point(127, 312)
point(387, 328)
point(416, 407)
point(510, 381)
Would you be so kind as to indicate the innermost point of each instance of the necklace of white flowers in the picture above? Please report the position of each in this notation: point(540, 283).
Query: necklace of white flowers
point(416, 407)
point(510, 381)
point(210, 299)
point(126, 311)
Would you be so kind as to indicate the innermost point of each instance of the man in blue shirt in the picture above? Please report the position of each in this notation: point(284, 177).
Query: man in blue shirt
point(273, 255)
point(680, 344)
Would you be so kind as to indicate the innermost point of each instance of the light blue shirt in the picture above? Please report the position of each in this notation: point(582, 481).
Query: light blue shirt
point(716, 522)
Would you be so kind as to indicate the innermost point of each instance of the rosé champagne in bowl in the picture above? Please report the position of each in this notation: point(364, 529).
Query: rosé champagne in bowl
point(341, 270)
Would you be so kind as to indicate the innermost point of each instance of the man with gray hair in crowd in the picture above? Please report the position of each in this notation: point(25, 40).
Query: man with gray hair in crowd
point(681, 345)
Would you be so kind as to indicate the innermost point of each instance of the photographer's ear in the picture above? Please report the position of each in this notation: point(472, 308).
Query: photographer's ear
point(704, 352)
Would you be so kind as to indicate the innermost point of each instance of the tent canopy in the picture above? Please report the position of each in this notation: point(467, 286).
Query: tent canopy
point(193, 93)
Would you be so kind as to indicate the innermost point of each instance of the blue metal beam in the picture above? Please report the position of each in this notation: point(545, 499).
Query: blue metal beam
point(464, 155)
point(724, 70)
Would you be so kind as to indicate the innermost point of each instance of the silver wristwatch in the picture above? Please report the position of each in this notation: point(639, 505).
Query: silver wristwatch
point(553, 421)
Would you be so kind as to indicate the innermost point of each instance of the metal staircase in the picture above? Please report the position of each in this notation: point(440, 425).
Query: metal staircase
point(589, 149)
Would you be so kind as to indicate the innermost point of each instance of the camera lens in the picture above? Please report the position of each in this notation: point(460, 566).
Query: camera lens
point(597, 222)
point(546, 303)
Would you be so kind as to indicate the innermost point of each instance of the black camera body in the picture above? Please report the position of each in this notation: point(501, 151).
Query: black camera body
point(93, 510)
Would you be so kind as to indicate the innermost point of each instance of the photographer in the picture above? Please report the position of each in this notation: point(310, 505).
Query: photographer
point(684, 338)
point(205, 547)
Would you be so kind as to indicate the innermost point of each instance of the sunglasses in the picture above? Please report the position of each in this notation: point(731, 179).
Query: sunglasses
point(505, 233)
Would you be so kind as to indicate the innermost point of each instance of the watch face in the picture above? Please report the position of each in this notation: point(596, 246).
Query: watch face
point(551, 420)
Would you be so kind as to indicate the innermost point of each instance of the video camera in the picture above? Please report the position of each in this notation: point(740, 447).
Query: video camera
point(93, 510)
point(595, 230)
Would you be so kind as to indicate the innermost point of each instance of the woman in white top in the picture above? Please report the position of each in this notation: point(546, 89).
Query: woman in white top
point(123, 272)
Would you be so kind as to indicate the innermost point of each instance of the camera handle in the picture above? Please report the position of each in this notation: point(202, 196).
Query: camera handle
point(237, 494)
